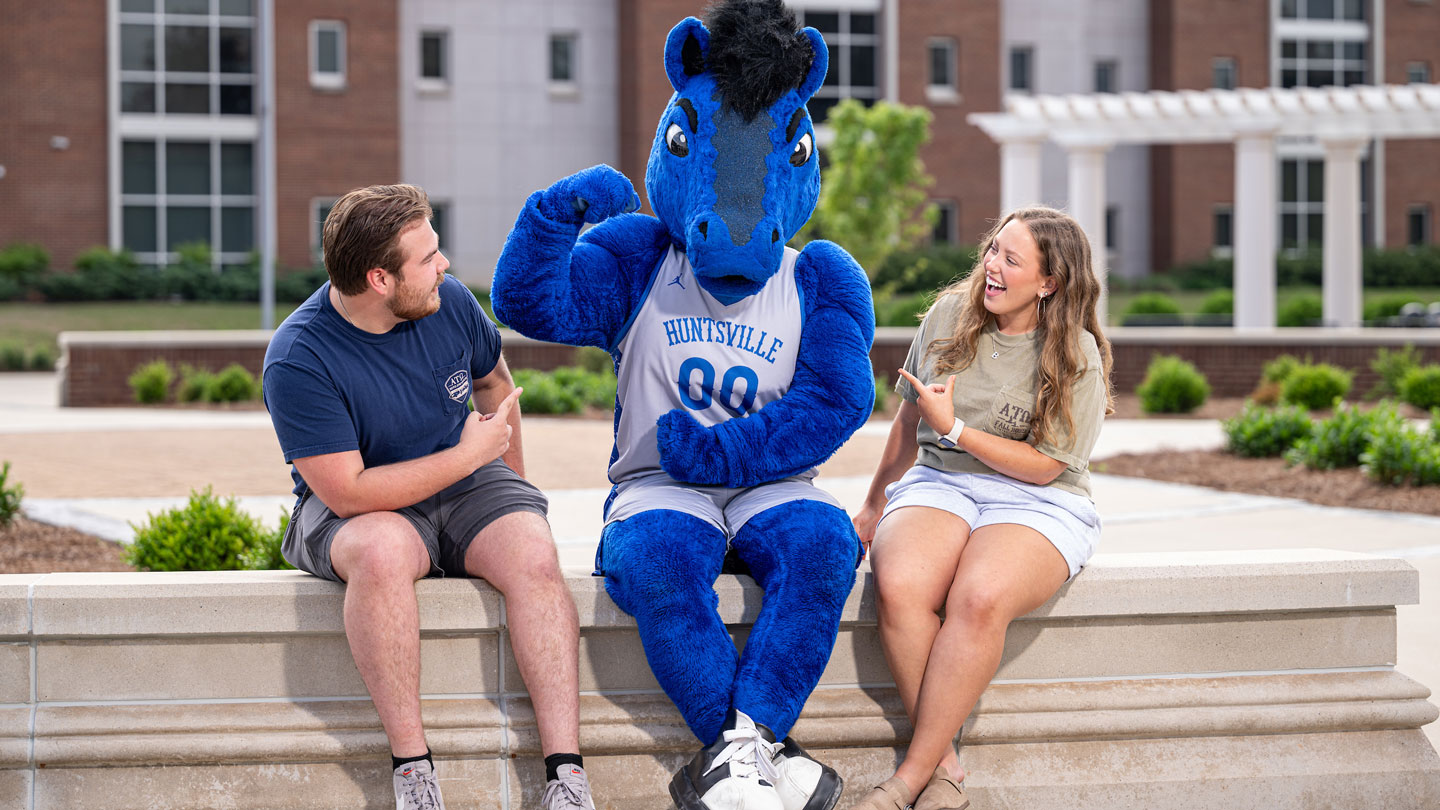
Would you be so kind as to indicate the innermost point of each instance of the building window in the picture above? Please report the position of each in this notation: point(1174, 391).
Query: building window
point(1323, 62)
point(319, 210)
point(1222, 241)
point(327, 54)
point(181, 59)
point(563, 67)
point(942, 84)
point(1417, 225)
point(1112, 227)
point(1302, 203)
point(1347, 10)
point(176, 192)
point(1417, 72)
point(1106, 76)
point(945, 222)
point(854, 59)
point(1022, 59)
point(440, 221)
point(434, 58)
point(1222, 73)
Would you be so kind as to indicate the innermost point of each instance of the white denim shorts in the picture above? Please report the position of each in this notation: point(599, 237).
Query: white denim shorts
point(725, 508)
point(1067, 520)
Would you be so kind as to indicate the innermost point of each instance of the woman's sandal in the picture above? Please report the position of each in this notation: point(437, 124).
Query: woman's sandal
point(888, 795)
point(942, 792)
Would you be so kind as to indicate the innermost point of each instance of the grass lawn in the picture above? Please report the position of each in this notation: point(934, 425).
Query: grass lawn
point(37, 324)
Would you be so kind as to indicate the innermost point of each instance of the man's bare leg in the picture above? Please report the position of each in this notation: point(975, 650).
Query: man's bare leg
point(380, 556)
point(516, 554)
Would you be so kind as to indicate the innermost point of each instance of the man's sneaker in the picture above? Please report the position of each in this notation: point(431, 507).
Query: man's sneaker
point(736, 772)
point(805, 783)
point(416, 787)
point(569, 790)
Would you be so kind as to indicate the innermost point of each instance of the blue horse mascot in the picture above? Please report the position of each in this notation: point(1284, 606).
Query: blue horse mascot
point(741, 364)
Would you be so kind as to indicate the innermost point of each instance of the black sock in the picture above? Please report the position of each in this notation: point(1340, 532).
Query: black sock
point(396, 762)
point(554, 761)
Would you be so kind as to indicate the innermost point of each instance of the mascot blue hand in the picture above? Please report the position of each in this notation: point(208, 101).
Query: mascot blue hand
point(689, 451)
point(589, 195)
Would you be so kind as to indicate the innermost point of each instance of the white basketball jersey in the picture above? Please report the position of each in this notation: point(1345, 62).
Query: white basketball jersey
point(686, 350)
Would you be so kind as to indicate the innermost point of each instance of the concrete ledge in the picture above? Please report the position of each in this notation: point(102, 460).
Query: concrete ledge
point(1256, 679)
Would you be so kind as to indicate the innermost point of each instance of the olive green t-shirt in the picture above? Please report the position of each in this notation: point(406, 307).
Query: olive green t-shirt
point(996, 394)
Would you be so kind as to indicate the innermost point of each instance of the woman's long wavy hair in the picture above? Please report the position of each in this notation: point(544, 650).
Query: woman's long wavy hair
point(1065, 258)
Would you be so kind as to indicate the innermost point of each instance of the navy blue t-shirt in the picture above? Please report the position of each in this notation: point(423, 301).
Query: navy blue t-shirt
point(331, 387)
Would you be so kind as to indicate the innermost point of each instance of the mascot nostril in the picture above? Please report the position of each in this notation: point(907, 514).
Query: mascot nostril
point(741, 365)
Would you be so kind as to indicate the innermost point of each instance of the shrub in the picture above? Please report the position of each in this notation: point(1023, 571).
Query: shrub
point(904, 310)
point(151, 382)
point(234, 383)
point(595, 359)
point(1278, 369)
point(266, 555)
point(1151, 307)
point(109, 275)
point(925, 269)
point(1220, 302)
point(193, 382)
point(543, 395)
point(1340, 440)
point(22, 263)
point(42, 358)
point(882, 395)
point(204, 535)
point(1383, 307)
point(12, 356)
point(10, 497)
point(1399, 455)
point(1435, 424)
point(594, 389)
point(1315, 386)
point(1206, 274)
point(1421, 387)
point(297, 285)
point(1392, 366)
point(1172, 385)
point(1302, 310)
point(1265, 432)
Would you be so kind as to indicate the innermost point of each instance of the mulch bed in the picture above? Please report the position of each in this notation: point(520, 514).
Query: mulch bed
point(29, 547)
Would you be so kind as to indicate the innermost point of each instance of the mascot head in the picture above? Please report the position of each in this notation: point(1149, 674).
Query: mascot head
point(733, 172)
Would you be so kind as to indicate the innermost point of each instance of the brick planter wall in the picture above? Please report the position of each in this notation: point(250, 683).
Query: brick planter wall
point(95, 366)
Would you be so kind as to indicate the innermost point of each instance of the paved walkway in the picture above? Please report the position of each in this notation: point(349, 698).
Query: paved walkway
point(1139, 515)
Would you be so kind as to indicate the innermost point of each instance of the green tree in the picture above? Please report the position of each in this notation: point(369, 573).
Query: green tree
point(872, 198)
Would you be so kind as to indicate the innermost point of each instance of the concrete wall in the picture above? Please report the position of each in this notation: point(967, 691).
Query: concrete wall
point(1068, 39)
point(498, 130)
point(1242, 680)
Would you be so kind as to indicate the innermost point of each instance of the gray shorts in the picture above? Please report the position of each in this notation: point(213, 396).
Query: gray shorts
point(447, 521)
point(725, 508)
point(1067, 520)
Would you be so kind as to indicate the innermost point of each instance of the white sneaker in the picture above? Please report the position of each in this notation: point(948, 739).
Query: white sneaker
point(417, 787)
point(736, 772)
point(803, 782)
point(569, 790)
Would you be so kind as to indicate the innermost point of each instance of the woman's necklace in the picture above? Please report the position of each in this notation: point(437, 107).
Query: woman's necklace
point(997, 351)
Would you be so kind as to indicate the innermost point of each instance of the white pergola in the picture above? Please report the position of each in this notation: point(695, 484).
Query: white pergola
point(1342, 120)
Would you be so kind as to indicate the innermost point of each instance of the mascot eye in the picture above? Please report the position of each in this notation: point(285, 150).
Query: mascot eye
point(676, 141)
point(802, 151)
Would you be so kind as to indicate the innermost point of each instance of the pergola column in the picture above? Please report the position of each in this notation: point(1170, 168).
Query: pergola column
point(1086, 194)
point(1254, 221)
point(1343, 282)
point(1019, 173)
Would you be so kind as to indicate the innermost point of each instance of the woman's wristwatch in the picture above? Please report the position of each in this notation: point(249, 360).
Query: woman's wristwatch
point(951, 440)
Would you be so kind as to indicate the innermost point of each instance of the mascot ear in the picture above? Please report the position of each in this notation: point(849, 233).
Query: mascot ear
point(686, 48)
point(818, 65)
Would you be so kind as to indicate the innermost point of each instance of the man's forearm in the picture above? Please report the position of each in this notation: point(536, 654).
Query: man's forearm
point(389, 487)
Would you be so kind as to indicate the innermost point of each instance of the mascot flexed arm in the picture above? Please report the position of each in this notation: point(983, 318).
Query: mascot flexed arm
point(742, 364)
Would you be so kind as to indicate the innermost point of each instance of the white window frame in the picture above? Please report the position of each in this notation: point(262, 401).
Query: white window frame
point(1218, 250)
point(942, 93)
point(215, 200)
point(326, 80)
point(563, 88)
point(433, 84)
point(840, 44)
point(1417, 72)
point(1113, 67)
point(1427, 224)
point(317, 225)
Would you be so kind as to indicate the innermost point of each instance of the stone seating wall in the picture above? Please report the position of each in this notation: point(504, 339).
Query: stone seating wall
point(1237, 680)
point(95, 366)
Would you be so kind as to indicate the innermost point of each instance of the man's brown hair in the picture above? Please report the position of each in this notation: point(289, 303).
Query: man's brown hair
point(363, 231)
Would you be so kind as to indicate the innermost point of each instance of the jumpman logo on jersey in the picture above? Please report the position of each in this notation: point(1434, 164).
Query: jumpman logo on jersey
point(676, 281)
